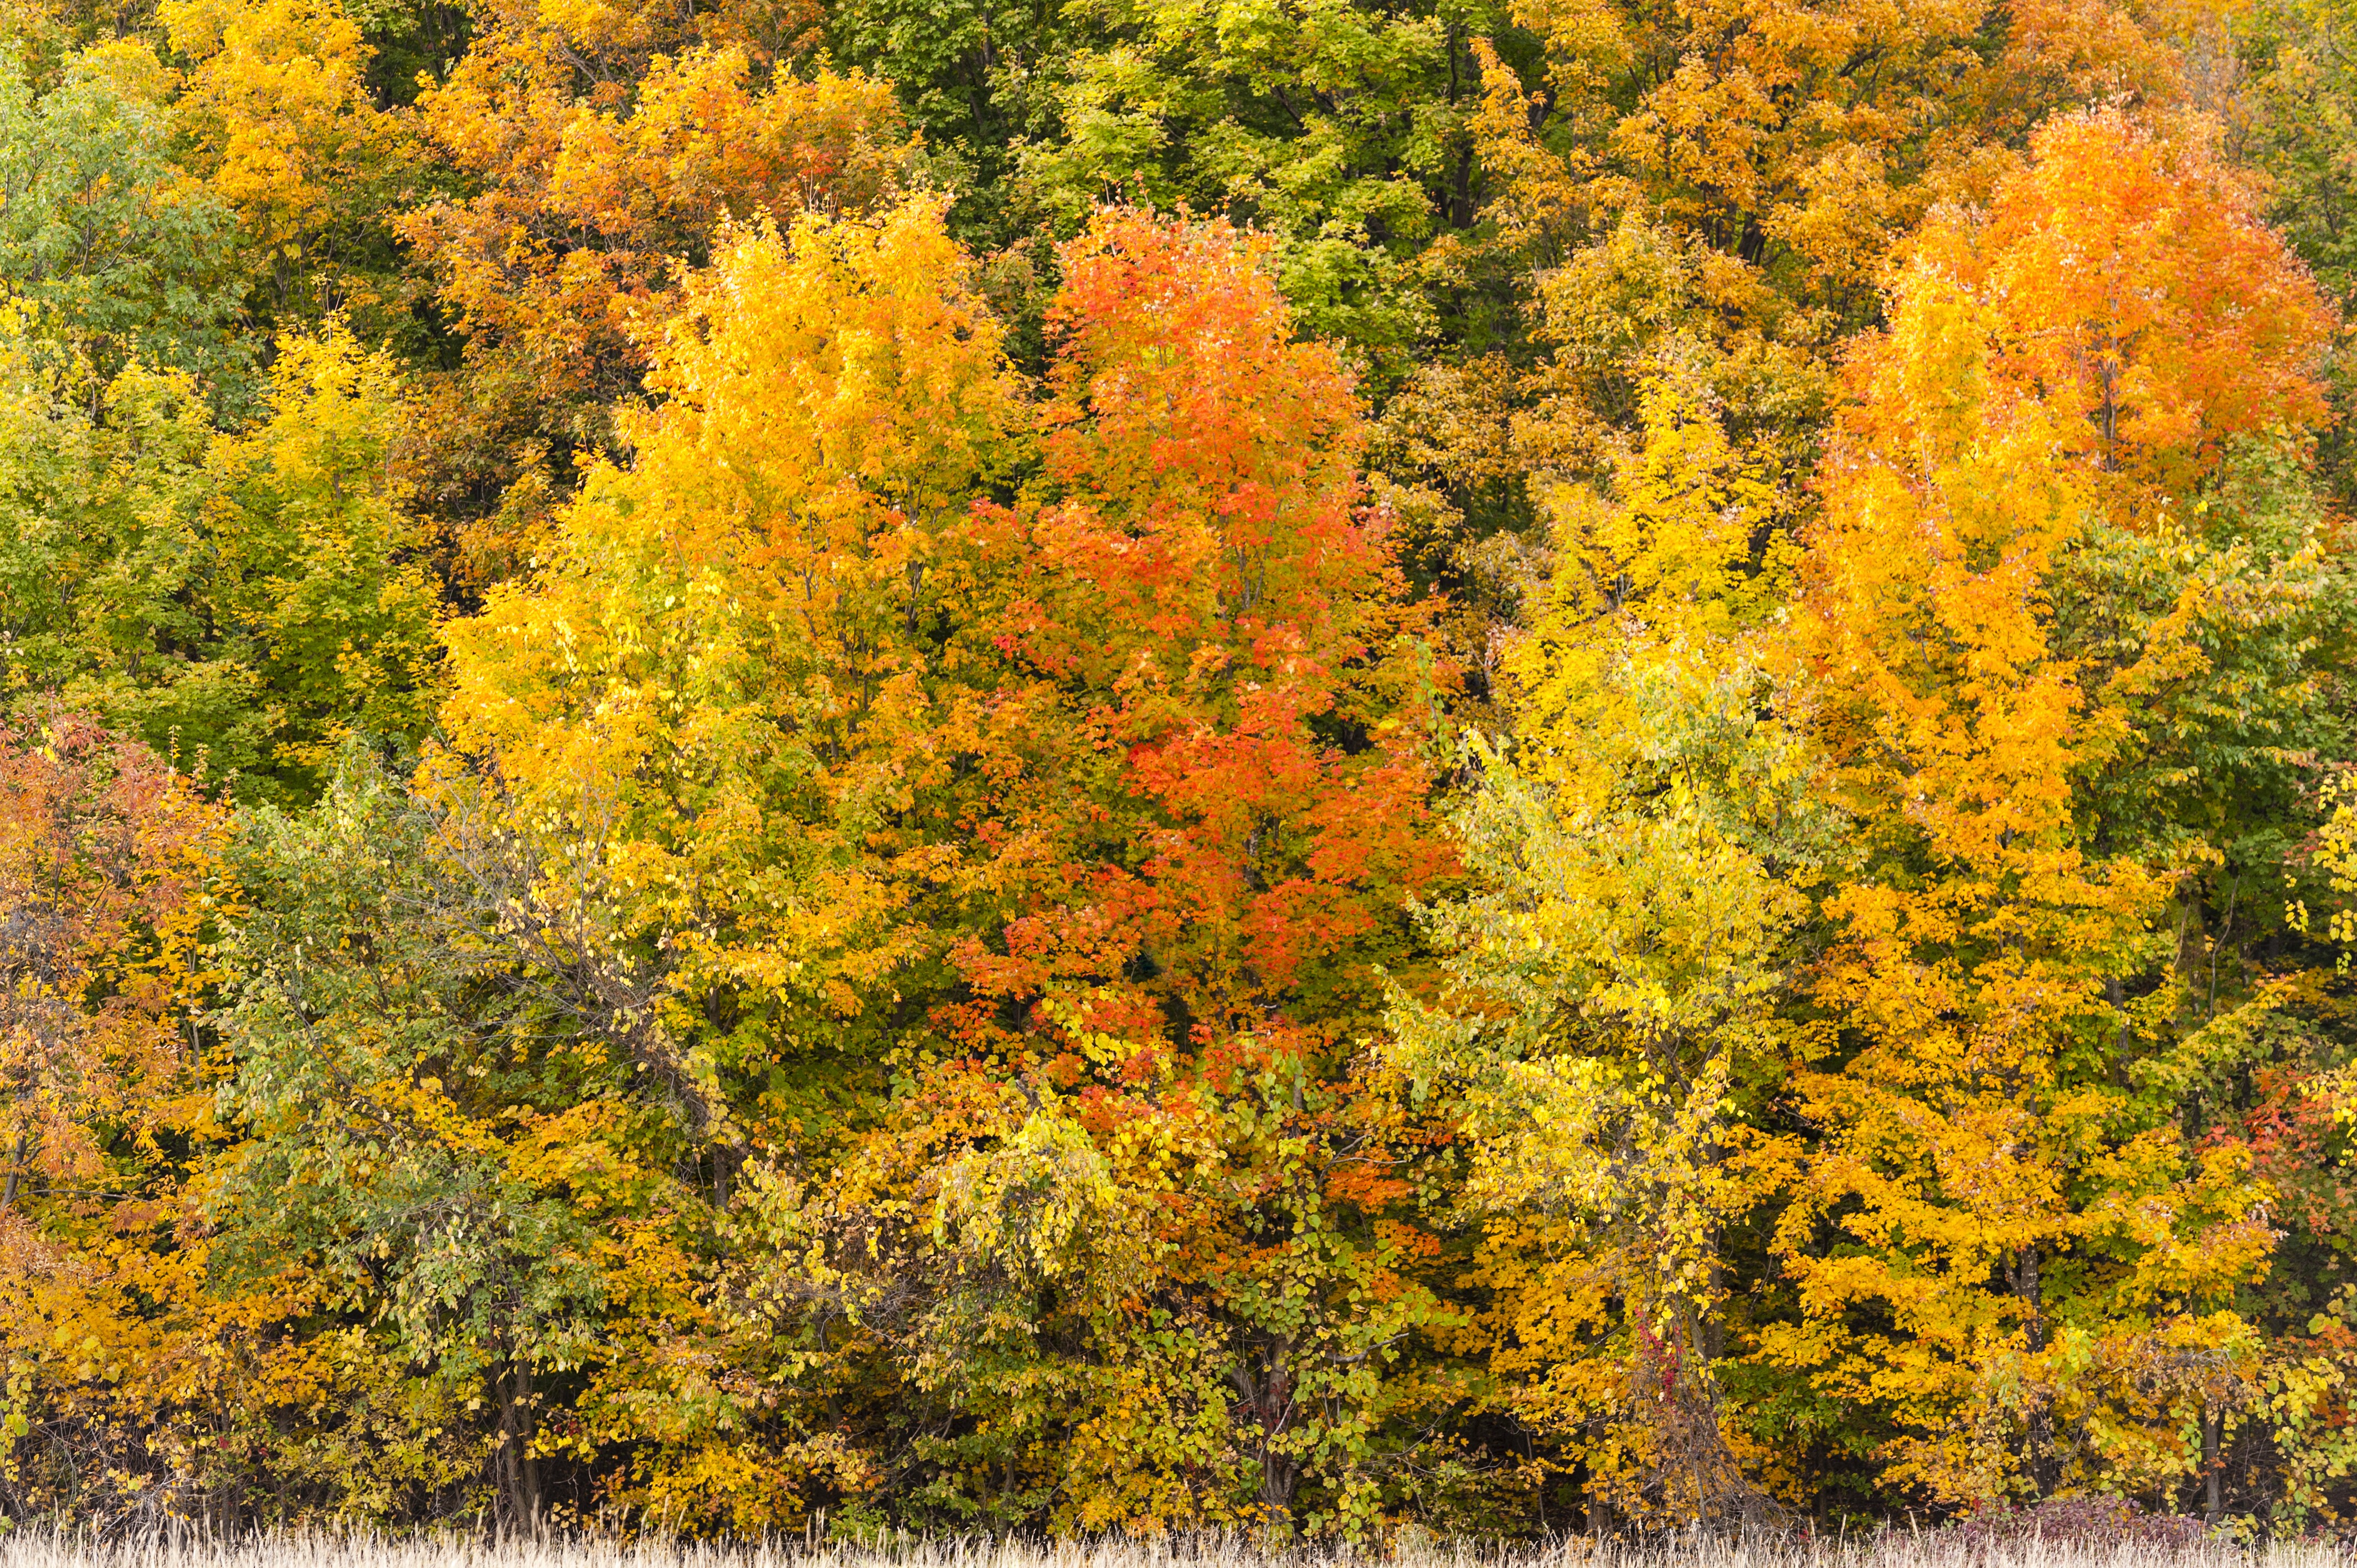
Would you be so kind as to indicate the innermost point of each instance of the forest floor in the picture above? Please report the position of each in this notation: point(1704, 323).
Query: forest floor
point(1895, 1550)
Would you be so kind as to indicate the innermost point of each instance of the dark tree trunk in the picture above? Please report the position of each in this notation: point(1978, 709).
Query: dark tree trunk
point(2213, 1465)
point(2044, 1472)
point(1267, 1404)
point(518, 1472)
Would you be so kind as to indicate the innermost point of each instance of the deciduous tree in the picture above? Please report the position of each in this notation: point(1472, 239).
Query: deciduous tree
point(2008, 1218)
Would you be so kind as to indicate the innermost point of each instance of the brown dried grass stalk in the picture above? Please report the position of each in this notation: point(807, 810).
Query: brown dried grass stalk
point(1896, 1550)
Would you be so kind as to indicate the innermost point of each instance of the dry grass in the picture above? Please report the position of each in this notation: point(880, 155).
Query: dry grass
point(33, 1551)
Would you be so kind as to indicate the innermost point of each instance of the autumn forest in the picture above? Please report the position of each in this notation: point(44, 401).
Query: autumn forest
point(1313, 766)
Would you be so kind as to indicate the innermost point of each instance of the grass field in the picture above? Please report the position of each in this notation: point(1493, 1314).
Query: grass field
point(1886, 1552)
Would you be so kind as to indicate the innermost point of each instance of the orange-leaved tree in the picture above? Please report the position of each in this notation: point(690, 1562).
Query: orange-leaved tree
point(1071, 761)
point(1216, 608)
point(2047, 623)
point(106, 860)
point(1218, 612)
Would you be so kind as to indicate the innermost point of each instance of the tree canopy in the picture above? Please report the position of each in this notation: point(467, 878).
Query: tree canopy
point(1321, 766)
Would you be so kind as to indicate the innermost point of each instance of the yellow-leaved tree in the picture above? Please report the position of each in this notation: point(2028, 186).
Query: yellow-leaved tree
point(736, 693)
point(2054, 645)
point(1646, 840)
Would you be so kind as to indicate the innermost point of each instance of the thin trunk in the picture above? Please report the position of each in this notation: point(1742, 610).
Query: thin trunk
point(1710, 1337)
point(2042, 1444)
point(511, 1478)
point(2214, 1466)
point(2025, 1285)
point(526, 1461)
point(518, 1472)
point(15, 1170)
point(2118, 996)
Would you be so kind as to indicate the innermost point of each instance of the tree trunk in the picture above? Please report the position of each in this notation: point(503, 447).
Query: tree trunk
point(1267, 1403)
point(2041, 1436)
point(530, 1461)
point(511, 1485)
point(518, 1471)
point(2213, 1465)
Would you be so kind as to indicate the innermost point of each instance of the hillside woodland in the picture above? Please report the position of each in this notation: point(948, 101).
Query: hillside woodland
point(1325, 766)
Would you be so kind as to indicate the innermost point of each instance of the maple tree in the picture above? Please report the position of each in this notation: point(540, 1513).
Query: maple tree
point(106, 854)
point(603, 158)
point(744, 685)
point(1197, 936)
point(295, 146)
point(1644, 849)
point(2014, 1015)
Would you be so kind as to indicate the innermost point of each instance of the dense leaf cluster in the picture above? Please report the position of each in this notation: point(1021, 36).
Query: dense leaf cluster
point(1321, 766)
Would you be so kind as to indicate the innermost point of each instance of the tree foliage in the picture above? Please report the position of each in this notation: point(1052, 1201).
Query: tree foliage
point(1322, 768)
